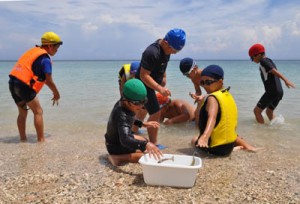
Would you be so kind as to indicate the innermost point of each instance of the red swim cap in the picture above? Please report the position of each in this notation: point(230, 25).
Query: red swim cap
point(162, 100)
point(256, 49)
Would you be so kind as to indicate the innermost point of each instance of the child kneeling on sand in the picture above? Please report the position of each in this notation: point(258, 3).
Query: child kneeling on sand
point(122, 145)
point(218, 116)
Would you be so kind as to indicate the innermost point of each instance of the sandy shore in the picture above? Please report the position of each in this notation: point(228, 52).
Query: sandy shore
point(76, 170)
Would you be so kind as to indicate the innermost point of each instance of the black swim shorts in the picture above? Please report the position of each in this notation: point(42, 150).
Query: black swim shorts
point(152, 105)
point(118, 149)
point(20, 91)
point(269, 101)
point(220, 150)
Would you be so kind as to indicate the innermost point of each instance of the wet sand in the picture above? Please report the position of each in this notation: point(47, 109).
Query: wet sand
point(68, 169)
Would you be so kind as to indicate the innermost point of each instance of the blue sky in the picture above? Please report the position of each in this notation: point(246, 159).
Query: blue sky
point(114, 29)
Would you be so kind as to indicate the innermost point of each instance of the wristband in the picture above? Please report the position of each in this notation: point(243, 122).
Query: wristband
point(138, 123)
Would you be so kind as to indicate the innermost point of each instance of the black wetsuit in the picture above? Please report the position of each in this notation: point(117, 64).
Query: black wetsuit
point(154, 60)
point(119, 138)
point(273, 89)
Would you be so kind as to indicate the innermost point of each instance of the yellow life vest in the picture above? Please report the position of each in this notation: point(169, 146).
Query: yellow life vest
point(126, 68)
point(225, 131)
point(23, 68)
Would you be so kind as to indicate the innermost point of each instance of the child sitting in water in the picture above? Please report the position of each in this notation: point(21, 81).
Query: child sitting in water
point(218, 116)
point(122, 145)
point(175, 110)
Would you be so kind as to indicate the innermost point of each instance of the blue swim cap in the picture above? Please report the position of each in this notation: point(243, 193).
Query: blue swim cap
point(134, 67)
point(176, 38)
point(213, 71)
point(186, 64)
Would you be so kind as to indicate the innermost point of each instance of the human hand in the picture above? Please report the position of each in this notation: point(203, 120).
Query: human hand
point(153, 124)
point(168, 122)
point(54, 101)
point(153, 150)
point(289, 84)
point(197, 98)
point(55, 98)
point(202, 142)
point(164, 91)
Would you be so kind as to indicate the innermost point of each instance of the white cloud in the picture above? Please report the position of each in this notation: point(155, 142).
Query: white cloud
point(213, 27)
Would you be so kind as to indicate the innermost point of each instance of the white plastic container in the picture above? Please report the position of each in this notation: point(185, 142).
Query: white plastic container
point(175, 170)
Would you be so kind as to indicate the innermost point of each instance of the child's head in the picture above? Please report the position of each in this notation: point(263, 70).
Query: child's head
point(174, 41)
point(187, 65)
point(134, 67)
point(162, 100)
point(212, 78)
point(134, 92)
point(256, 52)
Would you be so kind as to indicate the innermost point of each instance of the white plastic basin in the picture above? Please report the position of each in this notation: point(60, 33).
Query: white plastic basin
point(177, 171)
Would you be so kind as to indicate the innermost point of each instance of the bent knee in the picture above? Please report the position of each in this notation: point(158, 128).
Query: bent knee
point(257, 110)
point(38, 111)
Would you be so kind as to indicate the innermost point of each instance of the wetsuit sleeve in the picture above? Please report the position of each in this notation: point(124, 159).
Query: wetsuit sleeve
point(267, 64)
point(149, 59)
point(126, 137)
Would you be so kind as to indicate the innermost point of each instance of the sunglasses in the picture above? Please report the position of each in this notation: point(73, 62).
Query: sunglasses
point(139, 103)
point(207, 82)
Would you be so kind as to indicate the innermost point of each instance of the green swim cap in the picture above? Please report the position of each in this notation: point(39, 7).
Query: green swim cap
point(134, 90)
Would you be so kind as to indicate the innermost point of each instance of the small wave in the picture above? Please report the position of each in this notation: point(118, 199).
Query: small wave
point(279, 120)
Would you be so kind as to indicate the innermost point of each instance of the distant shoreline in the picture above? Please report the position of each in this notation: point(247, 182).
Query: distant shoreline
point(103, 60)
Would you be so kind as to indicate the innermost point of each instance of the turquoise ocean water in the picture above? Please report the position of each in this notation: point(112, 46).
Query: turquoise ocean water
point(89, 90)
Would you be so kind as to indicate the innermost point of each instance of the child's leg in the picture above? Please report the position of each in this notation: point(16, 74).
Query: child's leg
point(21, 122)
point(117, 160)
point(257, 112)
point(270, 114)
point(244, 145)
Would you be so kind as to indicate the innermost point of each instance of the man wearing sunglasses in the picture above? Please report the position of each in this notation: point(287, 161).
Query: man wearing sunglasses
point(218, 116)
point(122, 145)
point(152, 72)
point(30, 73)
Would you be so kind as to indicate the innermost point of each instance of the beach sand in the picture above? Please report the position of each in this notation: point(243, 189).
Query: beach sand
point(68, 169)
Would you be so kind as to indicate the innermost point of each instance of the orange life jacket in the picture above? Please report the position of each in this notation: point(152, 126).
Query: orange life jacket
point(23, 68)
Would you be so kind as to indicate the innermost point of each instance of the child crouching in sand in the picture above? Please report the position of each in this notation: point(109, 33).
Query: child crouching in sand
point(122, 145)
point(218, 116)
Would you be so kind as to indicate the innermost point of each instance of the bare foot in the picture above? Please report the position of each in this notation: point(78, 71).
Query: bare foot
point(247, 148)
point(115, 161)
point(236, 148)
point(41, 139)
point(23, 140)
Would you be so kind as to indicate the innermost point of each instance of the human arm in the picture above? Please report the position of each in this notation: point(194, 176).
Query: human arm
point(212, 110)
point(164, 80)
point(182, 109)
point(150, 82)
point(177, 119)
point(50, 83)
point(125, 135)
point(197, 98)
point(197, 89)
point(148, 124)
point(288, 83)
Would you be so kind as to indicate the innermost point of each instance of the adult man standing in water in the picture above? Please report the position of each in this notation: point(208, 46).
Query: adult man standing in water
point(152, 72)
point(27, 77)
